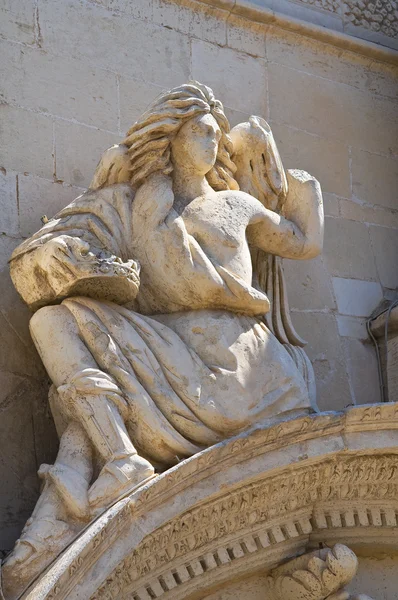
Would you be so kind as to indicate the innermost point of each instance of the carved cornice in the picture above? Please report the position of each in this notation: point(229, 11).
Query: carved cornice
point(259, 14)
point(344, 480)
point(259, 516)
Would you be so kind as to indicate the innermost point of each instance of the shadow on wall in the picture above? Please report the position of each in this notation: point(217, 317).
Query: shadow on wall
point(27, 431)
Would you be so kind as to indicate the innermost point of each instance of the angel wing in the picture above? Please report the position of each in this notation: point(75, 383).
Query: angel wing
point(260, 173)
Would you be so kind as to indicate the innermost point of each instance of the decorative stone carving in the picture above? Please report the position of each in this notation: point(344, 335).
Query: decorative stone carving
point(319, 575)
point(376, 15)
point(151, 293)
point(242, 505)
point(329, 5)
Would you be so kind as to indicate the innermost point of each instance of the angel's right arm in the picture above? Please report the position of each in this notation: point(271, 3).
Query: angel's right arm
point(297, 233)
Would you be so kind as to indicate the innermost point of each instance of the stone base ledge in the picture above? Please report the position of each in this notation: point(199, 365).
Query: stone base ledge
point(243, 505)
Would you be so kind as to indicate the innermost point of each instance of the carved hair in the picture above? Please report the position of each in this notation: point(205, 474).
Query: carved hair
point(149, 139)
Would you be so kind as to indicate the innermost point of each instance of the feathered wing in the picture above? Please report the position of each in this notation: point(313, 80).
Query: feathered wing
point(260, 173)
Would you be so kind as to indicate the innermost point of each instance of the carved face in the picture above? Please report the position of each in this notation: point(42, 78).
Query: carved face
point(196, 144)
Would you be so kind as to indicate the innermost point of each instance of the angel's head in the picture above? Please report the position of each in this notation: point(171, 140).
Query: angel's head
point(184, 124)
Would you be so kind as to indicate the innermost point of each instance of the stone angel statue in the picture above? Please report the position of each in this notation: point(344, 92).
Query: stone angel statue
point(160, 307)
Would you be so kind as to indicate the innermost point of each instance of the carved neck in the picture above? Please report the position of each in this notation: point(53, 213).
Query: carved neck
point(188, 185)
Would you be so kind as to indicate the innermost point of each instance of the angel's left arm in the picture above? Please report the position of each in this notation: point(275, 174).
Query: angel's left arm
point(297, 232)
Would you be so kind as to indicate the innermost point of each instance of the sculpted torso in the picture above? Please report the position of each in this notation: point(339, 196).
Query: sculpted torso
point(219, 222)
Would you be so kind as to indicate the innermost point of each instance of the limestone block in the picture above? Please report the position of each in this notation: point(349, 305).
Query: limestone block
point(134, 98)
point(39, 197)
point(366, 213)
point(332, 110)
point(252, 588)
point(385, 249)
point(17, 20)
point(58, 85)
point(375, 178)
point(77, 151)
point(235, 116)
point(309, 284)
point(8, 203)
point(139, 9)
point(331, 205)
point(229, 72)
point(348, 251)
point(246, 36)
point(193, 18)
point(389, 353)
point(324, 60)
point(36, 131)
point(114, 41)
point(355, 297)
point(362, 371)
point(352, 327)
point(327, 16)
point(326, 353)
point(327, 159)
point(21, 357)
point(25, 422)
point(7, 245)
point(17, 314)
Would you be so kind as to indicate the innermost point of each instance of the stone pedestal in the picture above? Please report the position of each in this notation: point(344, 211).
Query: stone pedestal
point(236, 511)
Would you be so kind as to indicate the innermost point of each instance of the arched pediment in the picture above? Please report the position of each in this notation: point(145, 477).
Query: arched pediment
point(241, 507)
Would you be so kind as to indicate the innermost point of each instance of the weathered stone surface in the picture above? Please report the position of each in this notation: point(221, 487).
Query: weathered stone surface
point(355, 297)
point(139, 9)
point(8, 203)
point(352, 327)
point(332, 110)
point(326, 352)
point(114, 41)
point(385, 249)
point(348, 252)
point(18, 20)
point(39, 197)
point(246, 36)
point(333, 64)
point(379, 189)
point(192, 18)
point(134, 98)
point(36, 131)
point(331, 205)
point(229, 72)
point(58, 85)
point(367, 213)
point(362, 371)
point(77, 149)
point(328, 160)
point(309, 285)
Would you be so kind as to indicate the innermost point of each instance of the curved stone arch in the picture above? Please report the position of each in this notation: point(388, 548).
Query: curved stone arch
point(240, 507)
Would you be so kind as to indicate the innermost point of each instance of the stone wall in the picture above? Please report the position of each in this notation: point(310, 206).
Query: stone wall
point(77, 73)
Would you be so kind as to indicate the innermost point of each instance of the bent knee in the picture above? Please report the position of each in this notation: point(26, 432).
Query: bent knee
point(51, 319)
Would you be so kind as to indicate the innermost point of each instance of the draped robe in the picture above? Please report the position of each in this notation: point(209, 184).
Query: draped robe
point(192, 355)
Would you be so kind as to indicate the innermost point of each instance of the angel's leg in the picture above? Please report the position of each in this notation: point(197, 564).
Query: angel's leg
point(90, 397)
